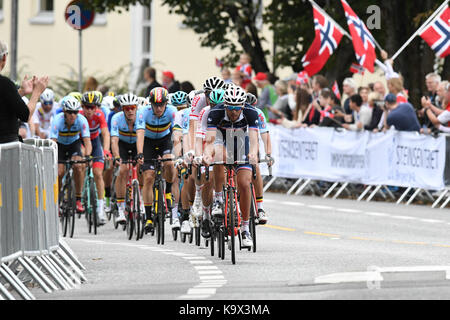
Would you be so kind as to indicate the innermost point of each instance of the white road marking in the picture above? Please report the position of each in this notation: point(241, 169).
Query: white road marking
point(346, 277)
point(348, 210)
point(320, 207)
point(431, 221)
point(297, 204)
point(403, 217)
point(376, 214)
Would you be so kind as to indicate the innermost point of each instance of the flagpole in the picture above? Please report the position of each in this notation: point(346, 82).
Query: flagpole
point(430, 19)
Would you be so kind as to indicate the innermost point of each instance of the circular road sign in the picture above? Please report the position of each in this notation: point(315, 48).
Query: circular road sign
point(78, 15)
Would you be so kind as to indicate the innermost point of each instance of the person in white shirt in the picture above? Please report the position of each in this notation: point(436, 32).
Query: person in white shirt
point(361, 113)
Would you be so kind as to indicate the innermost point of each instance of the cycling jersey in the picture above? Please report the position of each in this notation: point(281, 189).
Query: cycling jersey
point(156, 127)
point(65, 135)
point(119, 128)
point(109, 119)
point(105, 110)
point(182, 120)
point(43, 118)
point(197, 105)
point(96, 124)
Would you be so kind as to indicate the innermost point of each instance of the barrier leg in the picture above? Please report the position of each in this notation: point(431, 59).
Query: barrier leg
point(63, 245)
point(404, 195)
point(65, 269)
point(294, 186)
point(16, 283)
point(373, 193)
point(37, 277)
point(61, 273)
point(389, 192)
point(440, 198)
point(304, 185)
point(52, 273)
point(366, 191)
point(329, 191)
point(428, 194)
point(267, 186)
point(413, 196)
point(49, 282)
point(5, 293)
point(68, 261)
point(343, 187)
point(445, 202)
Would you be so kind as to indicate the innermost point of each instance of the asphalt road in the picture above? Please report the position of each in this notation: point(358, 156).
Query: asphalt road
point(312, 248)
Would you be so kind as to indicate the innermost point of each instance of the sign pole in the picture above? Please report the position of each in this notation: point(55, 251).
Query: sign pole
point(80, 70)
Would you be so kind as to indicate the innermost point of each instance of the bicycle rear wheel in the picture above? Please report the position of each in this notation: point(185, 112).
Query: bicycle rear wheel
point(129, 214)
point(253, 210)
point(231, 226)
point(72, 208)
point(64, 209)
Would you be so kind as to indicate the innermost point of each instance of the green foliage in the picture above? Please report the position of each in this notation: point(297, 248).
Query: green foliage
point(117, 81)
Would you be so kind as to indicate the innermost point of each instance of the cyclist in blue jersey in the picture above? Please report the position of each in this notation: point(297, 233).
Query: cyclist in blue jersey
point(154, 140)
point(123, 141)
point(67, 130)
point(235, 120)
point(113, 105)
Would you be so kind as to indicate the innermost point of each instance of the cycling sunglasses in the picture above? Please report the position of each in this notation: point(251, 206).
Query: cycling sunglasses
point(71, 112)
point(90, 107)
point(234, 108)
point(129, 108)
point(48, 103)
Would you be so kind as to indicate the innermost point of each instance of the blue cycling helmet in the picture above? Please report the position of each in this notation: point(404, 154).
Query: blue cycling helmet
point(217, 96)
point(179, 98)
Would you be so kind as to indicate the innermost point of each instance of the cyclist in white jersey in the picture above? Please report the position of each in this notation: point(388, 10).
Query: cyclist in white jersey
point(44, 113)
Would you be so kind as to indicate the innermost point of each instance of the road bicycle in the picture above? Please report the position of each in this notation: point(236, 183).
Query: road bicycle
point(89, 197)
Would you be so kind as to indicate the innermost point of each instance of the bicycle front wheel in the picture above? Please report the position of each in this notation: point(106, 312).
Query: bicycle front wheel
point(93, 203)
point(253, 210)
point(231, 226)
point(136, 210)
point(72, 208)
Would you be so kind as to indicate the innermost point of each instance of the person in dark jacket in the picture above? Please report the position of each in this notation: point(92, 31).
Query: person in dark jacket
point(150, 78)
point(12, 108)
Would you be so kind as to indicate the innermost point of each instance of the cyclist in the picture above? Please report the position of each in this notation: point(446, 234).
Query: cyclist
point(97, 124)
point(154, 140)
point(180, 143)
point(113, 105)
point(261, 217)
point(234, 120)
point(216, 97)
point(123, 140)
point(67, 130)
point(45, 111)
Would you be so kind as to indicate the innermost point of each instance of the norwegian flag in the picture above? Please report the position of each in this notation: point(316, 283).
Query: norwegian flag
point(363, 41)
point(328, 37)
point(219, 63)
point(336, 91)
point(302, 78)
point(437, 34)
point(356, 68)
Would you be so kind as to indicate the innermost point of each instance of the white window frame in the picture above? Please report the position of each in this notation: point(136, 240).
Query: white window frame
point(43, 17)
point(100, 19)
point(1, 12)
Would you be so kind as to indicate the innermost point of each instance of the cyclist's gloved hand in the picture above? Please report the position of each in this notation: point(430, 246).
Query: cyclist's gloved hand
point(179, 163)
point(198, 161)
point(107, 154)
point(140, 158)
point(117, 160)
point(88, 158)
point(270, 160)
point(189, 156)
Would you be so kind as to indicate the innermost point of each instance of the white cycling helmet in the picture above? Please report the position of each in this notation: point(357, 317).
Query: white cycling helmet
point(109, 102)
point(47, 96)
point(251, 99)
point(213, 83)
point(235, 96)
point(129, 99)
point(70, 103)
point(143, 102)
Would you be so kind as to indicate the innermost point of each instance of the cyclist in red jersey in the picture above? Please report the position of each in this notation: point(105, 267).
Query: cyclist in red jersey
point(97, 124)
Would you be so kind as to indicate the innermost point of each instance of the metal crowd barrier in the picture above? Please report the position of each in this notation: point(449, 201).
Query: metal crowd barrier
point(31, 250)
point(302, 186)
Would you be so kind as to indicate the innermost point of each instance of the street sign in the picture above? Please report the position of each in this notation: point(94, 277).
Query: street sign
point(78, 15)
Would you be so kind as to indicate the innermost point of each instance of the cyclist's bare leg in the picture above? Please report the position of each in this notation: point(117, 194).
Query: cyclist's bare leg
point(244, 178)
point(78, 174)
point(98, 178)
point(121, 182)
point(169, 169)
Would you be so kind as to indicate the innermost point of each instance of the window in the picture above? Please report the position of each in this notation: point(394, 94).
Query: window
point(45, 13)
point(100, 19)
point(147, 30)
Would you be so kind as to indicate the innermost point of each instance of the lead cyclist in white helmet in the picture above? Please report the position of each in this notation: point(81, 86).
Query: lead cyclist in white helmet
point(44, 113)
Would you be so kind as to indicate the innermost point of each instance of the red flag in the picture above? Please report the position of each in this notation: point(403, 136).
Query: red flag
point(363, 41)
point(336, 91)
point(219, 63)
point(356, 68)
point(302, 78)
point(437, 34)
point(328, 37)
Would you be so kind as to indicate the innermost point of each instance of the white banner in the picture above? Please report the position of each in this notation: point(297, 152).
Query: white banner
point(394, 158)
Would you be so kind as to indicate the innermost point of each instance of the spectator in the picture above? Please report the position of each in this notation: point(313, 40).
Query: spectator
point(245, 69)
point(91, 84)
point(376, 103)
point(268, 94)
point(432, 81)
point(401, 116)
point(440, 100)
point(12, 108)
point(319, 83)
point(364, 93)
point(187, 87)
point(380, 88)
point(236, 78)
point(361, 113)
point(349, 89)
point(150, 79)
point(226, 75)
point(395, 87)
point(251, 88)
point(281, 106)
point(169, 82)
point(371, 87)
point(303, 106)
point(439, 118)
